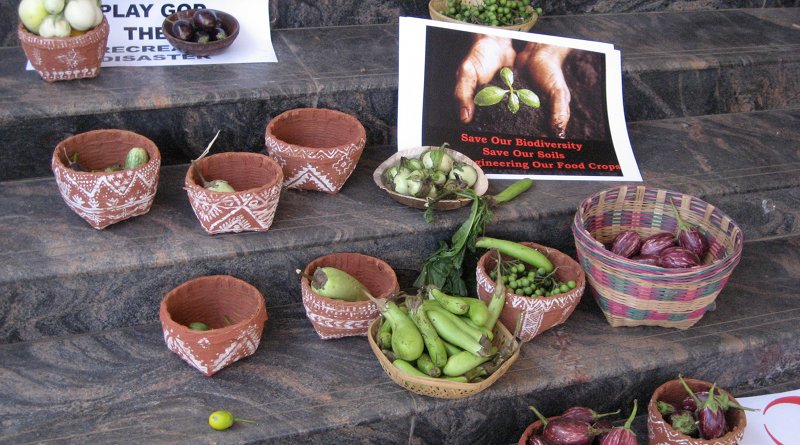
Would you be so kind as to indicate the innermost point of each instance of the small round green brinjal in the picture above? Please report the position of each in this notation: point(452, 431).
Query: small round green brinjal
point(335, 283)
point(136, 156)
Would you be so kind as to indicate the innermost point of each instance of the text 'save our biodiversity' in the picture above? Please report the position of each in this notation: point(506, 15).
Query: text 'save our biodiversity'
point(518, 104)
point(136, 37)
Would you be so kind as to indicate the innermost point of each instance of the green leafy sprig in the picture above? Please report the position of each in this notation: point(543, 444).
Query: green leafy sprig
point(493, 95)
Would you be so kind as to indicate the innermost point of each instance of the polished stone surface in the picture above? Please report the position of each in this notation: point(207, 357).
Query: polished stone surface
point(124, 386)
point(674, 64)
point(59, 276)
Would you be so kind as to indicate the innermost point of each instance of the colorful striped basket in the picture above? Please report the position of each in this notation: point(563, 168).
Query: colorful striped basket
point(635, 294)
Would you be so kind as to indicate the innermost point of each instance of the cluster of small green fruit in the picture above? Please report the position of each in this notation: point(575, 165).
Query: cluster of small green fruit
point(521, 280)
point(492, 12)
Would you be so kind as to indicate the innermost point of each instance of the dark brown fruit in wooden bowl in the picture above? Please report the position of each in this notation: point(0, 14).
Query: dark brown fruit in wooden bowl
point(224, 21)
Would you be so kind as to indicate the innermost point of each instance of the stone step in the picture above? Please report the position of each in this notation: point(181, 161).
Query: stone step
point(124, 386)
point(58, 276)
point(674, 64)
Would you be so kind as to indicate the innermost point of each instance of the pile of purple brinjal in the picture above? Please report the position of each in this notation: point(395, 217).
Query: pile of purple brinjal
point(686, 248)
point(700, 415)
point(582, 426)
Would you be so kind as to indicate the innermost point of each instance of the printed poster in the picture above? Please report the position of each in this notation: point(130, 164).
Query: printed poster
point(518, 104)
point(136, 37)
point(775, 421)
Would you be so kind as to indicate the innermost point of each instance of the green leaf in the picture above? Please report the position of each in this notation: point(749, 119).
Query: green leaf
point(508, 76)
point(513, 103)
point(529, 98)
point(490, 95)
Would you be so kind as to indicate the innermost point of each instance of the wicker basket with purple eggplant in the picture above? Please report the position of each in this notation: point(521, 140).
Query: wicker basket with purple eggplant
point(672, 285)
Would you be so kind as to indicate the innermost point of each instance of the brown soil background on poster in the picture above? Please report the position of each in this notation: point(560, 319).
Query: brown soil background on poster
point(582, 72)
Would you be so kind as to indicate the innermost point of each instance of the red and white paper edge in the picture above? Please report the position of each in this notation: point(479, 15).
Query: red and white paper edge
point(777, 421)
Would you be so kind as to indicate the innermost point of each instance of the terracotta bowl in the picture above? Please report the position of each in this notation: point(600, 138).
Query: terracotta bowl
point(661, 433)
point(66, 58)
point(233, 309)
point(100, 198)
point(229, 24)
point(480, 186)
point(317, 148)
point(335, 318)
point(538, 313)
point(255, 177)
point(435, 8)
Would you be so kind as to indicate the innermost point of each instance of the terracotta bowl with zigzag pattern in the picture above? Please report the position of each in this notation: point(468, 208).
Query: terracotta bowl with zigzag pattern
point(317, 148)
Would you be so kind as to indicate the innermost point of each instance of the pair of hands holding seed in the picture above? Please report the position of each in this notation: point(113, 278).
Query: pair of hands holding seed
point(542, 63)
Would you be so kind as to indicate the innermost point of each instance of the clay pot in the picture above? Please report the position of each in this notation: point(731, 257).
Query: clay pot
point(232, 308)
point(65, 58)
point(255, 177)
point(661, 433)
point(538, 313)
point(335, 318)
point(318, 149)
point(103, 198)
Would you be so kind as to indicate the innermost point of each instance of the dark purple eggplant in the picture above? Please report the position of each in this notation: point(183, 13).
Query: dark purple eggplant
point(654, 244)
point(677, 258)
point(564, 430)
point(585, 414)
point(710, 415)
point(626, 243)
point(622, 435)
point(535, 440)
point(688, 403)
point(684, 422)
point(690, 236)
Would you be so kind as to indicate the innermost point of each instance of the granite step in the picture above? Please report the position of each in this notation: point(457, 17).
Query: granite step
point(123, 386)
point(58, 276)
point(674, 64)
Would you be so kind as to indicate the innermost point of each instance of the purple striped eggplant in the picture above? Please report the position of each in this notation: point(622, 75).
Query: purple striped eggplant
point(677, 258)
point(585, 414)
point(710, 415)
point(622, 435)
point(654, 244)
point(565, 430)
point(626, 243)
point(533, 439)
point(690, 236)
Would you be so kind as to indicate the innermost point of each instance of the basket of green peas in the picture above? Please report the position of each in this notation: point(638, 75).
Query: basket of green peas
point(517, 15)
point(537, 299)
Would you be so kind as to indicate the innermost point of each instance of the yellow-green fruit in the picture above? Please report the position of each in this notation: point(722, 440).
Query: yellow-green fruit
point(220, 185)
point(136, 156)
point(335, 283)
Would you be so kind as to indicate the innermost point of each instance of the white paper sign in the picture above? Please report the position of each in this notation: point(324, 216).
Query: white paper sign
point(136, 38)
point(777, 421)
point(520, 137)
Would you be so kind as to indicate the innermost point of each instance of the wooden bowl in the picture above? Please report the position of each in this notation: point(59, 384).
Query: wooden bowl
point(480, 187)
point(435, 8)
point(229, 24)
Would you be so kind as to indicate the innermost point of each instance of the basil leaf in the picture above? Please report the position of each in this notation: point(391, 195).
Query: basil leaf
point(529, 98)
point(490, 95)
point(508, 76)
point(513, 103)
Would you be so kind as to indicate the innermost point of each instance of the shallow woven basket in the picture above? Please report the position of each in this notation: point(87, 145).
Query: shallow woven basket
point(255, 177)
point(634, 294)
point(317, 148)
point(480, 186)
point(538, 313)
point(333, 318)
point(66, 58)
point(100, 198)
point(210, 300)
point(441, 388)
point(436, 6)
point(661, 433)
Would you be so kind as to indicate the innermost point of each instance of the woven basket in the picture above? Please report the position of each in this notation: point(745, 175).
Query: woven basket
point(435, 8)
point(210, 300)
point(317, 148)
point(660, 432)
point(333, 318)
point(538, 313)
point(441, 388)
point(65, 58)
point(255, 177)
point(100, 198)
point(633, 294)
